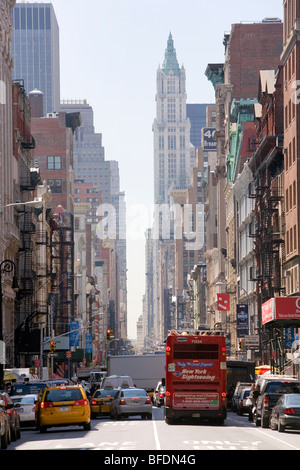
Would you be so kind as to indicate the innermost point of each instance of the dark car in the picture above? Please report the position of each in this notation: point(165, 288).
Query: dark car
point(271, 389)
point(286, 413)
point(14, 417)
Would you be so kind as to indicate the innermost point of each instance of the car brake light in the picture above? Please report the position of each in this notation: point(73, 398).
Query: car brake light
point(81, 402)
point(161, 395)
point(168, 398)
point(46, 404)
point(148, 401)
point(266, 401)
point(289, 411)
point(122, 401)
point(94, 402)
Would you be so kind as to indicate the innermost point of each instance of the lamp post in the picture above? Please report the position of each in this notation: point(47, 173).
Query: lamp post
point(7, 266)
point(26, 203)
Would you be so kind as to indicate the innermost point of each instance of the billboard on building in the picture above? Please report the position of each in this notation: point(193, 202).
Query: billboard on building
point(285, 309)
point(242, 320)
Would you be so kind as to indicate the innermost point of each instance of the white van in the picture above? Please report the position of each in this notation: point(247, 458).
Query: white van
point(115, 381)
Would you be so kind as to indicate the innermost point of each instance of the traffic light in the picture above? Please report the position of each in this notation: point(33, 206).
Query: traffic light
point(109, 334)
point(52, 346)
point(240, 344)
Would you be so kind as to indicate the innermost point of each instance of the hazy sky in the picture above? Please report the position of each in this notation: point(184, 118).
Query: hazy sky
point(110, 51)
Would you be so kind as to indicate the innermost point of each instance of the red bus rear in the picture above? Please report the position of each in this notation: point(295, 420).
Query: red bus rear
point(196, 376)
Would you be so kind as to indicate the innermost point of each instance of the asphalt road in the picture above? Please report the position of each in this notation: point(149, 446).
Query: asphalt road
point(129, 436)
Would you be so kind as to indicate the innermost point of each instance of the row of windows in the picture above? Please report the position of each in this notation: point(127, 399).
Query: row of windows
point(289, 113)
point(292, 281)
point(289, 68)
point(31, 18)
point(291, 154)
point(290, 197)
point(291, 240)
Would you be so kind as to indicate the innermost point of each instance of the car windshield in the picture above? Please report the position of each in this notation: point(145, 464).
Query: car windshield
point(105, 393)
point(293, 400)
point(65, 394)
point(133, 393)
point(24, 400)
point(282, 387)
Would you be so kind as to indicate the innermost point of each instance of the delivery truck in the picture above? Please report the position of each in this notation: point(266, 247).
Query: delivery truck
point(145, 370)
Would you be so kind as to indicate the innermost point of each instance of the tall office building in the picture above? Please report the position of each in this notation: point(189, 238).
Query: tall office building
point(35, 50)
point(197, 116)
point(171, 128)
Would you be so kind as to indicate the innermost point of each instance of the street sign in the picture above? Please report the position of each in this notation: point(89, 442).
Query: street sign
point(52, 354)
point(251, 341)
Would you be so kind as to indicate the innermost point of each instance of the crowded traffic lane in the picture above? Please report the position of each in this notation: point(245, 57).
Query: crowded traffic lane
point(135, 434)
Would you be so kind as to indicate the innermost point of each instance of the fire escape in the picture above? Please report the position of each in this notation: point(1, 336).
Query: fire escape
point(268, 231)
point(62, 248)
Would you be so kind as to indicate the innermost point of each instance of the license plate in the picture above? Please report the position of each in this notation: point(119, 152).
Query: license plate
point(64, 408)
point(105, 408)
point(196, 415)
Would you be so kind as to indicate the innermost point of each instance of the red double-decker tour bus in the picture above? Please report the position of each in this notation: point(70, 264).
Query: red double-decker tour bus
point(196, 376)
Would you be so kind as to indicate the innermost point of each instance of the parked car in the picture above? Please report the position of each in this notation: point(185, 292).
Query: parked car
point(25, 406)
point(271, 388)
point(243, 405)
point(286, 413)
point(14, 418)
point(131, 402)
point(159, 395)
point(63, 406)
point(5, 438)
point(239, 386)
point(101, 401)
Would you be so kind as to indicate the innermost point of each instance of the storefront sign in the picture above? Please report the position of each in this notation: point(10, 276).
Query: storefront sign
point(281, 308)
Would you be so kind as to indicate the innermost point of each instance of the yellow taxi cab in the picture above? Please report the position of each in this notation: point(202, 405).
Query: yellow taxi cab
point(63, 406)
point(100, 401)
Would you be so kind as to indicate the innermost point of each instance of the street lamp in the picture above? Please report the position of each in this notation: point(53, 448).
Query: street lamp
point(26, 203)
point(7, 266)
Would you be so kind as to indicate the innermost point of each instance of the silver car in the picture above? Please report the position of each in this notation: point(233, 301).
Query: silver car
point(131, 402)
point(25, 406)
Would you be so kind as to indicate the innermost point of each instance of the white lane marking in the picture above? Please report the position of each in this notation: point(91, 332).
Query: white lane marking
point(157, 443)
point(265, 433)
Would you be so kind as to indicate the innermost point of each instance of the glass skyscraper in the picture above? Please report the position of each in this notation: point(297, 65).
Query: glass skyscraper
point(35, 50)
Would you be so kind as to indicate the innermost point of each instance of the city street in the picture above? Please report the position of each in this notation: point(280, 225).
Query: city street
point(143, 435)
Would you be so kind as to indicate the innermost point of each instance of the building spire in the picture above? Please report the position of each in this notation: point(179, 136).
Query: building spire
point(170, 62)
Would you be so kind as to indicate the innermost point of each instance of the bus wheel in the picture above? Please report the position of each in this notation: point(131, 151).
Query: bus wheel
point(169, 420)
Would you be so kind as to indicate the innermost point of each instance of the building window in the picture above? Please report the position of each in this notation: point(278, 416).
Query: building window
point(55, 186)
point(54, 163)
